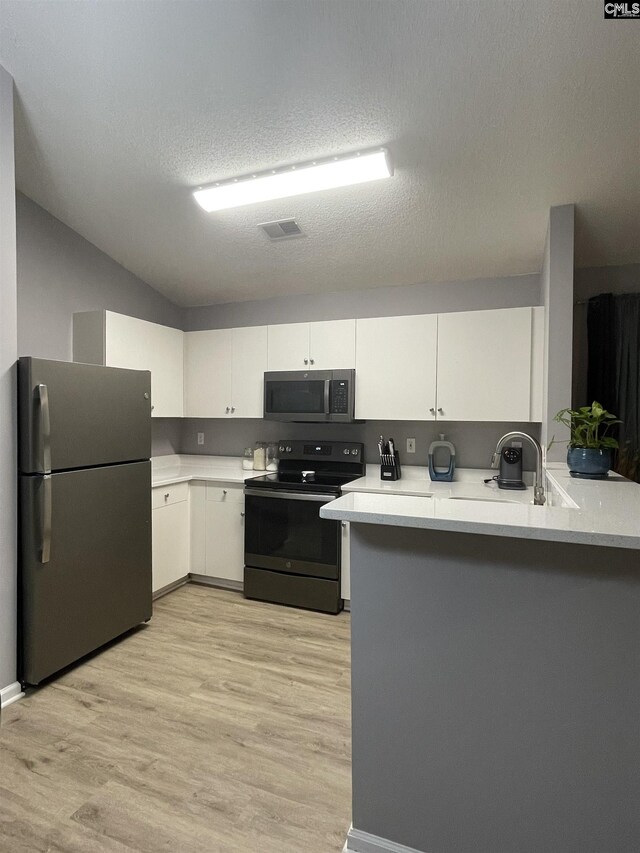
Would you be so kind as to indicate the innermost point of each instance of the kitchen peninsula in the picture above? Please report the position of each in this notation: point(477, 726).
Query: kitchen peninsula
point(495, 665)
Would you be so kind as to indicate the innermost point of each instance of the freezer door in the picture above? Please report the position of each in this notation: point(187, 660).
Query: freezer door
point(94, 581)
point(82, 414)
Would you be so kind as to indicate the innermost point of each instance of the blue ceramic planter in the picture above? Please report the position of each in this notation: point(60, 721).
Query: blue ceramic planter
point(589, 464)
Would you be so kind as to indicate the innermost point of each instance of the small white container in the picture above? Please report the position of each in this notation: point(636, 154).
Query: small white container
point(247, 459)
point(260, 456)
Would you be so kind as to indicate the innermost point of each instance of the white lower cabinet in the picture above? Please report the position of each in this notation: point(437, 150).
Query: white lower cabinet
point(224, 532)
point(345, 586)
point(170, 526)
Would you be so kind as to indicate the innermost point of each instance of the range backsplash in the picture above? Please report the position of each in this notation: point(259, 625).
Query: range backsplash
point(474, 442)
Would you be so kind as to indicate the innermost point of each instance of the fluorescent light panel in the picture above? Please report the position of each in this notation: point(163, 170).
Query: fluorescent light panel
point(295, 180)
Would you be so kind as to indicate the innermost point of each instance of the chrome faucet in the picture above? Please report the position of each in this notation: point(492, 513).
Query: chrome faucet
point(538, 488)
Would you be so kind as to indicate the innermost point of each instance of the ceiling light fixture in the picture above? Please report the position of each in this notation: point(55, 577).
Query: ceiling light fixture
point(295, 180)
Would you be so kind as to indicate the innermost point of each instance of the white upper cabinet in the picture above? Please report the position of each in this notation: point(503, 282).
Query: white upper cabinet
point(332, 345)
point(288, 347)
point(327, 345)
point(537, 363)
point(207, 360)
point(115, 340)
point(396, 368)
point(248, 364)
point(224, 372)
point(484, 365)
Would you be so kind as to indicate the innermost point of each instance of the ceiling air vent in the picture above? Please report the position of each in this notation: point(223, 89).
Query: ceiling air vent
point(283, 229)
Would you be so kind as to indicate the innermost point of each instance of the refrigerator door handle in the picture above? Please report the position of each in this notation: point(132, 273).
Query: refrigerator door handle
point(45, 428)
point(45, 510)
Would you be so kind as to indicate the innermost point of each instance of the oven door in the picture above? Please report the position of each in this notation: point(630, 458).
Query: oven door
point(297, 396)
point(284, 532)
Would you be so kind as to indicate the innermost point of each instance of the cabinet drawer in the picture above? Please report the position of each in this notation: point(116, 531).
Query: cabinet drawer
point(225, 492)
point(165, 495)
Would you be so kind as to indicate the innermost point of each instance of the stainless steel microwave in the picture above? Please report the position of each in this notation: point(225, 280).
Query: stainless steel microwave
point(318, 396)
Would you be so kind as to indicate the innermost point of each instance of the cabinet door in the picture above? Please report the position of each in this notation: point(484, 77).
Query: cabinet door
point(484, 365)
point(140, 345)
point(225, 540)
point(249, 362)
point(396, 368)
point(208, 359)
point(170, 544)
point(345, 569)
point(288, 346)
point(332, 345)
point(537, 363)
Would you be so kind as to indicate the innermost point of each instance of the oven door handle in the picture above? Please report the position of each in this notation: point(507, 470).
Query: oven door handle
point(293, 496)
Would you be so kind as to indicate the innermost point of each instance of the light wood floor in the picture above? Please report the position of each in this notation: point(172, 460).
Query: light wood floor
point(222, 726)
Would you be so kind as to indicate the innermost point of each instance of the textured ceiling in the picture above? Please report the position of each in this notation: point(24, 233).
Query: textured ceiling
point(493, 110)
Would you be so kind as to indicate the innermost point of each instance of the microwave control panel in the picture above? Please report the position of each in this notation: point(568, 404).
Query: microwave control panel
point(339, 396)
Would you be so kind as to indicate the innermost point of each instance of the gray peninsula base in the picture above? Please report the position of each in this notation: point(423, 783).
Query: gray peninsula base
point(496, 694)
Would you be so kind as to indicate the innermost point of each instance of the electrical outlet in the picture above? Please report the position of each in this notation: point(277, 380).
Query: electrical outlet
point(411, 445)
point(200, 438)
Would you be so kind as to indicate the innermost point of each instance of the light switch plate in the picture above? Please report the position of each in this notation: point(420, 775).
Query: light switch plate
point(411, 445)
point(200, 438)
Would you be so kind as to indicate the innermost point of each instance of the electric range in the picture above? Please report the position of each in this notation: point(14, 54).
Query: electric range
point(292, 556)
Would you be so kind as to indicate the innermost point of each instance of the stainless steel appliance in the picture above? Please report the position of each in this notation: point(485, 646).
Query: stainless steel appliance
point(321, 396)
point(85, 510)
point(292, 556)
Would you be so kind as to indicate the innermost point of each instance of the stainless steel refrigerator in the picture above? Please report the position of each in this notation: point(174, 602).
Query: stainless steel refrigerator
point(85, 510)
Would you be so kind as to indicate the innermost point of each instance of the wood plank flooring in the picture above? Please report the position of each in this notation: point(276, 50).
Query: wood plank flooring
point(221, 726)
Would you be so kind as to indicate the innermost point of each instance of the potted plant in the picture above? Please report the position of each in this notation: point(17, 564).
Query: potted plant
point(590, 448)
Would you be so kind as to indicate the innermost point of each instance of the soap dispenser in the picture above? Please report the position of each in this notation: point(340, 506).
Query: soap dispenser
point(446, 462)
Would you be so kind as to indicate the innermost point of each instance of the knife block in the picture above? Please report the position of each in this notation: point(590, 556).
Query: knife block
point(391, 471)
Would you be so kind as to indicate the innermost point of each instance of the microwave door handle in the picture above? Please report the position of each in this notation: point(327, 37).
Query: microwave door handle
point(327, 396)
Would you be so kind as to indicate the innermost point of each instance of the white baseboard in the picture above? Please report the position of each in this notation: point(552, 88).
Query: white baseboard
point(363, 842)
point(10, 694)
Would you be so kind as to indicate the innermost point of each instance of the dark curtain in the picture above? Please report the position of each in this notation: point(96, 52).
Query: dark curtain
point(613, 379)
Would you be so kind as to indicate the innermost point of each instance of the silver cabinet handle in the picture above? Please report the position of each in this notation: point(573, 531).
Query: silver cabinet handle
point(311, 361)
point(233, 408)
point(306, 361)
point(241, 515)
point(45, 429)
point(432, 410)
point(45, 552)
point(166, 496)
point(224, 491)
point(441, 412)
point(227, 409)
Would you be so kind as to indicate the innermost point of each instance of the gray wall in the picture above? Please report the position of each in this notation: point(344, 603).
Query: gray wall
point(588, 283)
point(508, 292)
point(474, 442)
point(166, 436)
point(557, 293)
point(8, 408)
point(59, 272)
point(495, 693)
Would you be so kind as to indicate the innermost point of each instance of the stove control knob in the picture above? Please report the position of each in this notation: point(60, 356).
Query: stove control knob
point(288, 449)
point(281, 448)
point(346, 451)
point(354, 452)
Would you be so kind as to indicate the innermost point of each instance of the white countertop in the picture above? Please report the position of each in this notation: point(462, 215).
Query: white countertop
point(166, 470)
point(591, 512)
